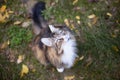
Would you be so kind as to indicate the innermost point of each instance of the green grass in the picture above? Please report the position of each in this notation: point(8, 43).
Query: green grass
point(18, 36)
point(99, 43)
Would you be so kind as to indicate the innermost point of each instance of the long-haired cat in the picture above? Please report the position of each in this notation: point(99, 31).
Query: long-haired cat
point(52, 45)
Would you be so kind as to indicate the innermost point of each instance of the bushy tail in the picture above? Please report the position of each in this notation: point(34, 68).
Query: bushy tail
point(37, 15)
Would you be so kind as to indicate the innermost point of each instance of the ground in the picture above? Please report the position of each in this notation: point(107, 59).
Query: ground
point(96, 25)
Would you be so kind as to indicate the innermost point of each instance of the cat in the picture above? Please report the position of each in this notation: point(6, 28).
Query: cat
point(55, 45)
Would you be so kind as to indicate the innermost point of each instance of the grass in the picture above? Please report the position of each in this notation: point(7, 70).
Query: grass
point(98, 43)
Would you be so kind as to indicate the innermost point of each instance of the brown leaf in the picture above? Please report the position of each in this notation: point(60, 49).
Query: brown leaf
point(74, 2)
point(17, 22)
point(24, 70)
point(26, 24)
point(3, 8)
point(5, 45)
point(20, 59)
point(66, 22)
point(2, 18)
point(91, 16)
point(69, 77)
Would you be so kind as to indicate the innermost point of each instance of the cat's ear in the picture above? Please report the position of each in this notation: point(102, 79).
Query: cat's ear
point(52, 28)
point(47, 41)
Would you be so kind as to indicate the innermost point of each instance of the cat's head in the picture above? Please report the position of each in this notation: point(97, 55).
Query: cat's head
point(60, 36)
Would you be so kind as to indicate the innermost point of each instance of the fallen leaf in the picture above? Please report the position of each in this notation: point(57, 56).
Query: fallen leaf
point(89, 61)
point(20, 59)
point(33, 70)
point(91, 16)
point(5, 1)
point(6, 15)
point(26, 24)
point(115, 48)
point(5, 45)
point(17, 22)
point(3, 8)
point(72, 26)
point(69, 77)
point(94, 21)
point(81, 58)
point(66, 22)
point(113, 35)
point(78, 21)
point(77, 17)
point(24, 70)
point(89, 24)
point(74, 2)
point(10, 12)
point(2, 18)
point(109, 14)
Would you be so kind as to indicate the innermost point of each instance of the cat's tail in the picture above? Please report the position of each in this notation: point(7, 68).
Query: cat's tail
point(37, 15)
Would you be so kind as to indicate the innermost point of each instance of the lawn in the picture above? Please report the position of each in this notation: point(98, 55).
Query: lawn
point(96, 26)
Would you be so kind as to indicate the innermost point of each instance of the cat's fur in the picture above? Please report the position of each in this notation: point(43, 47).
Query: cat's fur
point(53, 45)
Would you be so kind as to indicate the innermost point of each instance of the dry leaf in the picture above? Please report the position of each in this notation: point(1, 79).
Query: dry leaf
point(3, 8)
point(33, 70)
point(69, 77)
point(109, 14)
point(91, 16)
point(115, 48)
point(74, 2)
point(2, 18)
point(17, 22)
point(66, 22)
point(95, 19)
point(24, 70)
point(77, 17)
point(6, 15)
point(5, 45)
point(10, 12)
point(89, 24)
point(81, 58)
point(72, 26)
point(78, 21)
point(26, 24)
point(114, 35)
point(89, 61)
point(20, 59)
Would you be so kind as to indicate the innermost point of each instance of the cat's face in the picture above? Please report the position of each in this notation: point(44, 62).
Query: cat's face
point(60, 36)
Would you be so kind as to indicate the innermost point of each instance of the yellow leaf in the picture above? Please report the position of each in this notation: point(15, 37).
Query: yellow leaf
point(74, 2)
point(33, 70)
point(2, 18)
point(115, 48)
point(72, 26)
point(89, 24)
point(26, 24)
point(3, 8)
point(81, 58)
point(69, 77)
point(24, 70)
point(17, 22)
point(20, 58)
point(78, 21)
point(91, 16)
point(95, 19)
point(6, 14)
point(109, 14)
point(77, 17)
point(10, 12)
point(66, 22)
point(5, 1)
point(113, 35)
point(5, 45)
